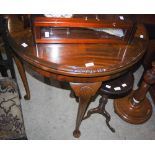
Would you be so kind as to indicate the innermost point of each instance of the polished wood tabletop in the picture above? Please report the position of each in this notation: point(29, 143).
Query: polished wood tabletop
point(84, 66)
point(72, 59)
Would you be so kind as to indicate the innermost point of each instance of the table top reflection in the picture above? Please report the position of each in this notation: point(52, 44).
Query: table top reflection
point(82, 60)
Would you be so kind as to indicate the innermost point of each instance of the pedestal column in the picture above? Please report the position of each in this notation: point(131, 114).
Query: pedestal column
point(136, 108)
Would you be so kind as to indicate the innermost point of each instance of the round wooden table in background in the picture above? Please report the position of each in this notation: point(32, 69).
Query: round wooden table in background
point(70, 62)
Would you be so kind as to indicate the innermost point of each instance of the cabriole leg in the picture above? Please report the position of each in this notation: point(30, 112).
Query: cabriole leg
point(22, 73)
point(84, 91)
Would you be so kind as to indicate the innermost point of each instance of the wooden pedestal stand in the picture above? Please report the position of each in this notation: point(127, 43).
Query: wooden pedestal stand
point(136, 108)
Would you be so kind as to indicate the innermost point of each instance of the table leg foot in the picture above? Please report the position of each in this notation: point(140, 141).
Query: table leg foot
point(134, 114)
point(27, 97)
point(76, 133)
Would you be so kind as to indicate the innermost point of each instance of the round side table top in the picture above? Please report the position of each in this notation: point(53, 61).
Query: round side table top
point(76, 60)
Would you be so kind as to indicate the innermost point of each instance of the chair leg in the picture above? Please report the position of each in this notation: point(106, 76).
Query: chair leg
point(3, 71)
point(101, 110)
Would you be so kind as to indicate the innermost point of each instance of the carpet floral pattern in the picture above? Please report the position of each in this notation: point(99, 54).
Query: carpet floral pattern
point(11, 119)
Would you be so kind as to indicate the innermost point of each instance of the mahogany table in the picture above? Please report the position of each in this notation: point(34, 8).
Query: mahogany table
point(70, 62)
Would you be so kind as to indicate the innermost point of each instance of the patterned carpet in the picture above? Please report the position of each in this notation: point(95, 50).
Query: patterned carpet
point(11, 119)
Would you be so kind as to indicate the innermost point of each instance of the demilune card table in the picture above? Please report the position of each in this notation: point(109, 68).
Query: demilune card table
point(84, 66)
